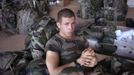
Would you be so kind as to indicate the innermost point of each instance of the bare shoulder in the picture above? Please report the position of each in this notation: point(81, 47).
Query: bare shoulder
point(52, 58)
point(51, 53)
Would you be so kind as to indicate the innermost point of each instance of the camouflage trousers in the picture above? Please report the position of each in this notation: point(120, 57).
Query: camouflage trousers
point(97, 70)
point(114, 66)
point(36, 67)
point(120, 66)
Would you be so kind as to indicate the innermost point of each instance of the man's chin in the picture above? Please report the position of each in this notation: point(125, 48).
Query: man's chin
point(69, 35)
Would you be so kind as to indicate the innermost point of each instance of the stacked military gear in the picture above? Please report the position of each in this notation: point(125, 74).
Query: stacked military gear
point(41, 31)
point(9, 9)
point(25, 19)
point(16, 13)
point(89, 8)
point(13, 63)
point(102, 32)
point(31, 16)
point(36, 67)
point(101, 37)
point(120, 7)
point(31, 11)
point(103, 29)
point(102, 40)
point(7, 15)
point(40, 6)
point(95, 8)
point(21, 63)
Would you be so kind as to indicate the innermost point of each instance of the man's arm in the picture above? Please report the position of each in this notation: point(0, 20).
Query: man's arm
point(52, 62)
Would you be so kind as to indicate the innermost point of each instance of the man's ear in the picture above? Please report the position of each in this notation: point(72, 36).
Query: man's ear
point(58, 25)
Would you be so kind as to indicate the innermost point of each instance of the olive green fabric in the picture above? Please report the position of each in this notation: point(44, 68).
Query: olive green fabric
point(68, 50)
point(42, 30)
point(36, 67)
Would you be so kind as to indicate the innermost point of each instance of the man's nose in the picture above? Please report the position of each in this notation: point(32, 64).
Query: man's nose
point(70, 26)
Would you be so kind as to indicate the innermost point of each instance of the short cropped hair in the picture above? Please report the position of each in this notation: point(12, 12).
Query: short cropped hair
point(65, 13)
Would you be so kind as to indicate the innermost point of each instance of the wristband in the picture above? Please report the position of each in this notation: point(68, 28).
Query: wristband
point(77, 65)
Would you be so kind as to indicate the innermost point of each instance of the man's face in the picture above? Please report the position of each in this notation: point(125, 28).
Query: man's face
point(67, 26)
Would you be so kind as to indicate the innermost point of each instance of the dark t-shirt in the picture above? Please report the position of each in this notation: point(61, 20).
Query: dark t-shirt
point(68, 50)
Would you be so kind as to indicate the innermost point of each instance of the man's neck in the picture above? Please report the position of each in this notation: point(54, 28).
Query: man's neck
point(67, 37)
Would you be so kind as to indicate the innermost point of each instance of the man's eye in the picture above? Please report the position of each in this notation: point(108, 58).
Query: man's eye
point(73, 23)
point(66, 23)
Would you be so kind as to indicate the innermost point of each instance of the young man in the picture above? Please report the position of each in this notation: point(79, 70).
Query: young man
point(65, 49)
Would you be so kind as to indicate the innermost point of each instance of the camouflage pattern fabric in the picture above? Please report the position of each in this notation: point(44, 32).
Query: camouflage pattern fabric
point(40, 6)
point(90, 8)
point(18, 14)
point(8, 15)
point(100, 8)
point(121, 66)
point(1, 19)
point(119, 6)
point(42, 30)
point(25, 18)
point(36, 67)
point(8, 18)
point(68, 50)
point(102, 68)
point(31, 12)
point(13, 63)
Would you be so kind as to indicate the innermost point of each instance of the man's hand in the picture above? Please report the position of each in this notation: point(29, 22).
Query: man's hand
point(88, 58)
